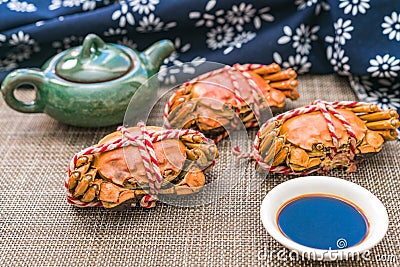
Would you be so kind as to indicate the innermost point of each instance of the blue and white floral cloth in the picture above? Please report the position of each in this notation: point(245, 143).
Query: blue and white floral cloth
point(356, 38)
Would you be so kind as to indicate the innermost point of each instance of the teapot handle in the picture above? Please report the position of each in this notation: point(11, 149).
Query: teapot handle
point(91, 41)
point(17, 78)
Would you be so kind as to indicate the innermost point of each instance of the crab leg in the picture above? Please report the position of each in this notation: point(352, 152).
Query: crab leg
point(285, 85)
point(92, 192)
point(285, 82)
point(270, 69)
point(288, 74)
point(377, 116)
point(82, 167)
point(281, 155)
point(84, 183)
point(192, 182)
point(291, 93)
point(383, 125)
point(192, 138)
point(183, 114)
point(83, 160)
point(248, 118)
point(202, 152)
point(112, 195)
point(365, 109)
point(268, 128)
point(266, 143)
point(184, 104)
point(388, 134)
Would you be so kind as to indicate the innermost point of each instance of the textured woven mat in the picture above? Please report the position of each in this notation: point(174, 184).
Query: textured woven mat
point(38, 227)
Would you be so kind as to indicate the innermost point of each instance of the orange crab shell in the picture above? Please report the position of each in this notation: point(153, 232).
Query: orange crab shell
point(122, 164)
point(294, 129)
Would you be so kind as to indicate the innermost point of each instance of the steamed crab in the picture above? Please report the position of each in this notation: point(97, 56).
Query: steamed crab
point(206, 103)
point(323, 136)
point(120, 176)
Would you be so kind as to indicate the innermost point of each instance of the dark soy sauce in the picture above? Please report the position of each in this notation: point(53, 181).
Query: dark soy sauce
point(322, 222)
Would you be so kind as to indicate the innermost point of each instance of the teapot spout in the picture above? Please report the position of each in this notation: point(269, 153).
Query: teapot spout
point(158, 52)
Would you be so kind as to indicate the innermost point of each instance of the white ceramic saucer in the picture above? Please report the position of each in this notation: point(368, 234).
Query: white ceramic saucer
point(371, 206)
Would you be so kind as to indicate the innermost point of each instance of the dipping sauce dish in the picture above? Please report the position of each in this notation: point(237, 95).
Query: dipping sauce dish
point(324, 218)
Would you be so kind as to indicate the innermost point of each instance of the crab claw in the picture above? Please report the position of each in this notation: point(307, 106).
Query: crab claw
point(112, 195)
point(192, 182)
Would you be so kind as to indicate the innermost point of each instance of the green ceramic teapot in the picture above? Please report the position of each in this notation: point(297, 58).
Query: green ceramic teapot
point(89, 85)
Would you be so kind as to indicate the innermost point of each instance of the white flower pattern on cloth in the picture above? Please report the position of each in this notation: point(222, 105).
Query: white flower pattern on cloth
point(223, 31)
point(144, 6)
point(299, 63)
point(391, 26)
point(152, 23)
point(115, 32)
point(335, 53)
point(302, 38)
point(85, 4)
point(342, 32)
point(89, 5)
point(172, 66)
point(168, 75)
point(239, 40)
point(233, 21)
point(22, 46)
point(262, 14)
point(17, 6)
point(338, 60)
point(67, 42)
point(208, 19)
point(123, 15)
point(219, 37)
point(125, 41)
point(385, 66)
point(360, 85)
point(319, 5)
point(8, 64)
point(240, 15)
point(384, 97)
point(354, 6)
point(179, 49)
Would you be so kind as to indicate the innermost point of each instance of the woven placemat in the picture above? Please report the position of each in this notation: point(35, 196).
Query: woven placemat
point(39, 228)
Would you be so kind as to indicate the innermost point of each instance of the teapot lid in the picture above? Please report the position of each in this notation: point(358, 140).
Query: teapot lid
point(94, 61)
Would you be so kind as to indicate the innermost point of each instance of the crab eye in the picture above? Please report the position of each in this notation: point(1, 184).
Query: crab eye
point(320, 146)
point(168, 172)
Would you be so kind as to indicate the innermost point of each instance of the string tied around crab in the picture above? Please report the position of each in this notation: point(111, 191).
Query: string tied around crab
point(328, 110)
point(256, 92)
point(144, 142)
